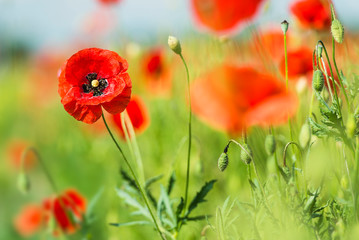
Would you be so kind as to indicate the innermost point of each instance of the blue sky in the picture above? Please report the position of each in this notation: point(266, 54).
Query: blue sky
point(58, 22)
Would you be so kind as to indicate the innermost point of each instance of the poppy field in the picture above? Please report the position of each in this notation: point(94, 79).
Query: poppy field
point(239, 128)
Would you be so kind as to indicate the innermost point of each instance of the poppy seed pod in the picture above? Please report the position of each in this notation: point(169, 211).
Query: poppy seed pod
point(318, 81)
point(304, 135)
point(223, 161)
point(174, 44)
point(246, 156)
point(337, 31)
point(284, 26)
point(270, 144)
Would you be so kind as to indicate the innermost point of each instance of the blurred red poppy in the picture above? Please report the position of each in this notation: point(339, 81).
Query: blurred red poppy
point(29, 220)
point(68, 210)
point(138, 114)
point(156, 72)
point(93, 78)
point(15, 151)
point(312, 13)
point(233, 98)
point(272, 43)
point(109, 1)
point(223, 15)
point(300, 63)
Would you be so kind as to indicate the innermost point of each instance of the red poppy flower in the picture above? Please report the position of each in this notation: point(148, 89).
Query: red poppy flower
point(29, 220)
point(223, 15)
point(138, 114)
point(233, 98)
point(300, 63)
point(15, 150)
point(156, 72)
point(312, 13)
point(67, 210)
point(109, 1)
point(93, 78)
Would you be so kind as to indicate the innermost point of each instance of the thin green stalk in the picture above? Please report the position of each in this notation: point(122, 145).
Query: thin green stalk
point(189, 135)
point(339, 77)
point(49, 178)
point(136, 149)
point(332, 75)
point(46, 170)
point(135, 178)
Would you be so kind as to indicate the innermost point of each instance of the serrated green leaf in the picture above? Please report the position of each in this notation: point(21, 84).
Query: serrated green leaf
point(128, 179)
point(171, 183)
point(167, 203)
point(93, 202)
point(199, 198)
point(132, 201)
point(180, 208)
point(152, 180)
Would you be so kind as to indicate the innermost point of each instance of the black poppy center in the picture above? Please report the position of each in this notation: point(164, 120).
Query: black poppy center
point(94, 85)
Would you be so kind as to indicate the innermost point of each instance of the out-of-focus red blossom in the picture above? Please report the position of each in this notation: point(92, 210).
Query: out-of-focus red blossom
point(312, 13)
point(157, 74)
point(42, 76)
point(109, 1)
point(15, 151)
point(99, 23)
point(272, 43)
point(138, 114)
point(29, 220)
point(300, 63)
point(93, 78)
point(234, 98)
point(66, 209)
point(223, 15)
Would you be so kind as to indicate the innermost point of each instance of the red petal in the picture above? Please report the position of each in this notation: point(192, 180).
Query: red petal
point(119, 103)
point(105, 63)
point(29, 220)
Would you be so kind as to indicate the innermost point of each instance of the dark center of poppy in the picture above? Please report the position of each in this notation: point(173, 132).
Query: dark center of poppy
point(94, 85)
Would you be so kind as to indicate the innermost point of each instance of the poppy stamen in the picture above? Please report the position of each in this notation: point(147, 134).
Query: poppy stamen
point(96, 86)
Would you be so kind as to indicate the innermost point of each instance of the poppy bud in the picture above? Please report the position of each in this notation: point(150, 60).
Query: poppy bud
point(304, 135)
point(223, 161)
point(284, 26)
point(318, 81)
point(174, 44)
point(351, 126)
point(244, 154)
point(23, 182)
point(270, 144)
point(337, 31)
point(319, 50)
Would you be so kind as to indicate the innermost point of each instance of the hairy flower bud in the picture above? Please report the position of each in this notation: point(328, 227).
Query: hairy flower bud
point(318, 81)
point(174, 44)
point(23, 182)
point(351, 126)
point(244, 154)
point(270, 144)
point(337, 31)
point(304, 135)
point(223, 161)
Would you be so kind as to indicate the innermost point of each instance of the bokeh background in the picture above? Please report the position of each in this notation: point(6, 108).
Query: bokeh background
point(37, 36)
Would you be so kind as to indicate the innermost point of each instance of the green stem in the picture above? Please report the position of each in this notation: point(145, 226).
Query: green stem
point(339, 77)
point(332, 75)
point(136, 149)
point(50, 179)
point(135, 178)
point(189, 135)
